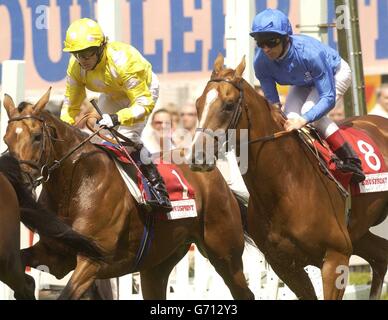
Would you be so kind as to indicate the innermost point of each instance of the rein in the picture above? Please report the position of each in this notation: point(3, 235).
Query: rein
point(46, 169)
point(237, 115)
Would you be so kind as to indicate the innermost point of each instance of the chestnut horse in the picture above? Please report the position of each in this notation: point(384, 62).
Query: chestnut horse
point(296, 215)
point(18, 205)
point(87, 192)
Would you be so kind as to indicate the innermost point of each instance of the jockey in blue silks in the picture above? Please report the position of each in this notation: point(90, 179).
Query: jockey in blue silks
point(317, 74)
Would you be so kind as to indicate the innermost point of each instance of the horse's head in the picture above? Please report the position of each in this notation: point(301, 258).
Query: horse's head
point(219, 109)
point(27, 135)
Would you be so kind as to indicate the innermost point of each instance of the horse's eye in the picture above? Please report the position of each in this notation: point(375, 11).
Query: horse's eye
point(36, 137)
point(229, 106)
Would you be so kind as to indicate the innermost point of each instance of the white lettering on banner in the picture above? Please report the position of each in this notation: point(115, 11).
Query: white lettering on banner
point(182, 209)
point(369, 153)
point(374, 183)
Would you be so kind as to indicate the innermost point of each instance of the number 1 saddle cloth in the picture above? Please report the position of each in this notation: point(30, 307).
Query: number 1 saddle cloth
point(181, 193)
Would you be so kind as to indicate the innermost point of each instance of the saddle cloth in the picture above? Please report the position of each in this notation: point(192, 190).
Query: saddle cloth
point(372, 160)
point(181, 193)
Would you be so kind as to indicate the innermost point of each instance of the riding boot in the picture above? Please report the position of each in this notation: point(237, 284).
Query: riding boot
point(160, 201)
point(350, 162)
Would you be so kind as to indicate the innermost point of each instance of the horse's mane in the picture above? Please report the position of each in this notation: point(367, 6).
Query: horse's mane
point(46, 114)
point(58, 122)
point(226, 73)
point(275, 113)
point(23, 105)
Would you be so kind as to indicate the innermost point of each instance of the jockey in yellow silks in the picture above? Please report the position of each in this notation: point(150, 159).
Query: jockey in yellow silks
point(129, 90)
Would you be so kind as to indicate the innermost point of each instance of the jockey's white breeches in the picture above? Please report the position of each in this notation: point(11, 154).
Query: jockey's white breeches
point(302, 99)
point(109, 105)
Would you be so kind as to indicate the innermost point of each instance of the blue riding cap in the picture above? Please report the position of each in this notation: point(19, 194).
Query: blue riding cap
point(271, 21)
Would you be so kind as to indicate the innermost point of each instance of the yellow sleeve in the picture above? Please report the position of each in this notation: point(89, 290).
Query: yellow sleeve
point(74, 95)
point(139, 94)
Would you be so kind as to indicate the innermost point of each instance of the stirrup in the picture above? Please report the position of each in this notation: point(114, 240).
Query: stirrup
point(352, 167)
point(156, 207)
point(153, 206)
point(357, 177)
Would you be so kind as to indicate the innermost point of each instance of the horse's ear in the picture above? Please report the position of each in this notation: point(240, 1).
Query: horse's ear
point(218, 65)
point(39, 106)
point(240, 68)
point(9, 105)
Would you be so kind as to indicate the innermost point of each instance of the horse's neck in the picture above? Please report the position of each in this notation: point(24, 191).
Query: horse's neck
point(69, 137)
point(60, 184)
point(264, 121)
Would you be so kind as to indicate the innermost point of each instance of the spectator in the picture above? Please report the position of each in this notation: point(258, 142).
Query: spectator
point(381, 108)
point(158, 137)
point(188, 118)
point(173, 110)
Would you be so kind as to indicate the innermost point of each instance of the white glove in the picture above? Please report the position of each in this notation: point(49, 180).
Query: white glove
point(108, 120)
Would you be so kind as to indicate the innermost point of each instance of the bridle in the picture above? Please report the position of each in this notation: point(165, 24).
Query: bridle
point(46, 137)
point(237, 115)
point(47, 168)
point(238, 110)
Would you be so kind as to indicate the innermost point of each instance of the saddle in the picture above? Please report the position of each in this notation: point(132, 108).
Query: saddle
point(372, 160)
point(181, 193)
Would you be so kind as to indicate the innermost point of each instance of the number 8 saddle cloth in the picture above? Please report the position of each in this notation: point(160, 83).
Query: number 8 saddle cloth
point(373, 163)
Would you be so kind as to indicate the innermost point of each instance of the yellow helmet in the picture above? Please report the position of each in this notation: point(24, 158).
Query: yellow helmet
point(82, 34)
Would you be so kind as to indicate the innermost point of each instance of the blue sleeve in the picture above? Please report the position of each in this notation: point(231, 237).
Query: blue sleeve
point(268, 85)
point(324, 82)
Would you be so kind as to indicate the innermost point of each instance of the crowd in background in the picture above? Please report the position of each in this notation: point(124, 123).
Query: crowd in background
point(173, 127)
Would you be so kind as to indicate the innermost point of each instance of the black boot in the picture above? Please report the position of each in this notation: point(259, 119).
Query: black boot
point(160, 201)
point(350, 162)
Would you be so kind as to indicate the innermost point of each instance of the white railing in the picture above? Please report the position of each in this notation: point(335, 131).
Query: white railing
point(195, 278)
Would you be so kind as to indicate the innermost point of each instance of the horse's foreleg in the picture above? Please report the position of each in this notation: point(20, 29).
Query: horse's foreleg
point(225, 254)
point(374, 249)
point(154, 280)
point(292, 273)
point(41, 257)
point(81, 279)
point(230, 268)
point(334, 274)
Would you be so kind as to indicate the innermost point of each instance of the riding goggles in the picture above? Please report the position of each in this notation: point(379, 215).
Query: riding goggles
point(270, 43)
point(85, 54)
